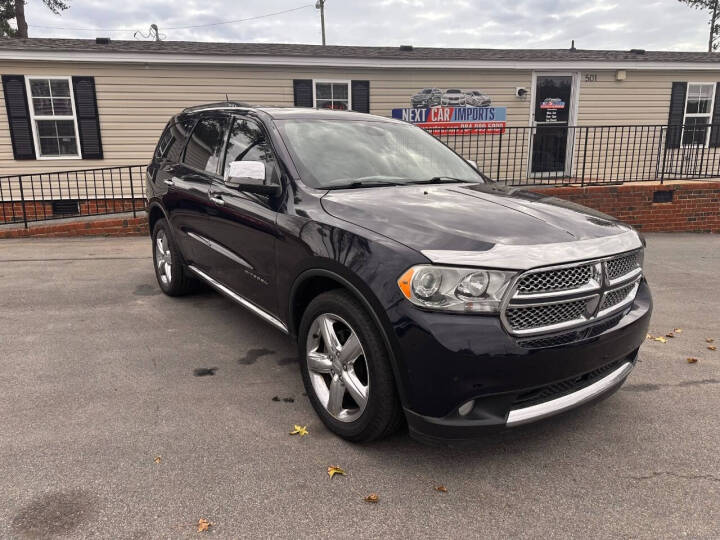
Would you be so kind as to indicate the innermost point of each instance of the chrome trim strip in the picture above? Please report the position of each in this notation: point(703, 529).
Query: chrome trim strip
point(595, 283)
point(267, 317)
point(523, 257)
point(550, 408)
point(220, 249)
point(629, 299)
point(625, 277)
point(565, 325)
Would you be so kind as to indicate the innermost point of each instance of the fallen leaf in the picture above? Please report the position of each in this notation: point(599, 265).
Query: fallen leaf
point(299, 430)
point(649, 336)
point(372, 498)
point(203, 525)
point(660, 339)
point(276, 398)
point(712, 347)
point(692, 360)
point(334, 469)
point(442, 489)
point(709, 340)
point(678, 330)
point(157, 459)
point(670, 334)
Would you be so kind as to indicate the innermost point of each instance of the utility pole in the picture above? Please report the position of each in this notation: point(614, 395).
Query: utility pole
point(320, 4)
point(712, 26)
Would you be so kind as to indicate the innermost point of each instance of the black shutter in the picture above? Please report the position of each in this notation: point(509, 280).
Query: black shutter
point(87, 117)
point(361, 96)
point(18, 114)
point(715, 130)
point(677, 114)
point(303, 91)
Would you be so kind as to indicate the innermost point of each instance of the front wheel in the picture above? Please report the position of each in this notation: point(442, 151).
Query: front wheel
point(346, 369)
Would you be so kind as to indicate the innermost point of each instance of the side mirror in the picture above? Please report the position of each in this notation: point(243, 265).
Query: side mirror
point(250, 176)
point(473, 164)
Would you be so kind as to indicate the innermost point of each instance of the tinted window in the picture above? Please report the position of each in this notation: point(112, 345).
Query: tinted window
point(166, 141)
point(247, 143)
point(206, 143)
point(333, 153)
point(179, 132)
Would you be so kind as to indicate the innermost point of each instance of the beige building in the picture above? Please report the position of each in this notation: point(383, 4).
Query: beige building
point(78, 104)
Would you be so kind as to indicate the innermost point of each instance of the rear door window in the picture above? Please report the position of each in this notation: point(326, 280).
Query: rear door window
point(204, 149)
point(179, 132)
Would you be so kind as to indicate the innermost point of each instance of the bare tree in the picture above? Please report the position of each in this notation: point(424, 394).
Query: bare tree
point(711, 6)
point(15, 9)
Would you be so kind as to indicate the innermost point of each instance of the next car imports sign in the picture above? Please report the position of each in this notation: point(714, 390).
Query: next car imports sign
point(480, 120)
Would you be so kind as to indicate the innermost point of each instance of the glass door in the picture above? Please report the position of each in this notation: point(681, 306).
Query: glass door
point(550, 118)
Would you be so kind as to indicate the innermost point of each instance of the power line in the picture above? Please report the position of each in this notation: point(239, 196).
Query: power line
point(176, 27)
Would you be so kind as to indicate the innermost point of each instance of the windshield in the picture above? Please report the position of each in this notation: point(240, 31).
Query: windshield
point(349, 153)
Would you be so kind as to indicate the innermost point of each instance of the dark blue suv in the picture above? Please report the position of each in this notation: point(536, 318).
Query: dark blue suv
point(417, 289)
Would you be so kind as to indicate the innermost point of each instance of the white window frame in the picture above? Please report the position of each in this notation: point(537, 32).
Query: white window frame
point(346, 82)
point(34, 117)
point(707, 115)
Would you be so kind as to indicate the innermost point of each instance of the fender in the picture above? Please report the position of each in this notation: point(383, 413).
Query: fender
point(393, 351)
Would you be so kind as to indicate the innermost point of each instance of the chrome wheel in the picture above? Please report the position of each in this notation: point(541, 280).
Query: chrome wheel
point(337, 367)
point(163, 257)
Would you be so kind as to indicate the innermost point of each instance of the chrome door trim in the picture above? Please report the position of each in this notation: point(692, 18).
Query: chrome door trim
point(525, 257)
point(549, 408)
point(267, 317)
point(220, 249)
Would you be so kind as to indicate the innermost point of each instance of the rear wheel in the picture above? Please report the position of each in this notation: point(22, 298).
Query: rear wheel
point(171, 273)
point(346, 369)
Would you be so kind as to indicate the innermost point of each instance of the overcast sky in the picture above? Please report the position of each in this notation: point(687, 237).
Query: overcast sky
point(593, 24)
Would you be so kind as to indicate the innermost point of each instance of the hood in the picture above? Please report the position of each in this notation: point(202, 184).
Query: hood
point(468, 217)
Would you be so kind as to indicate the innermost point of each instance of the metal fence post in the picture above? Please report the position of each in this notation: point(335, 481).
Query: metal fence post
point(499, 159)
point(582, 180)
point(132, 192)
point(22, 201)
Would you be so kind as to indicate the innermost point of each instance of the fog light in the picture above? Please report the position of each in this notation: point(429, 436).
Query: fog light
point(465, 408)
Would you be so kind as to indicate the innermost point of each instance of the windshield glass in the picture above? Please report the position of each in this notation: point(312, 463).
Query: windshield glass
point(338, 153)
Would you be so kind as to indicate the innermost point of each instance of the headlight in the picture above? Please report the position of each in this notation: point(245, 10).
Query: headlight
point(447, 288)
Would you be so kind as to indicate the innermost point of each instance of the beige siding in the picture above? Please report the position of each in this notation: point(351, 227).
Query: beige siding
point(136, 101)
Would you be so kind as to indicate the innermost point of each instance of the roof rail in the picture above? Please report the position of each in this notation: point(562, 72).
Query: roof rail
point(218, 105)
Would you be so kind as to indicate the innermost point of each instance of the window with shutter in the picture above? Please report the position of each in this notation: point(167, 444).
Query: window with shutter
point(52, 115)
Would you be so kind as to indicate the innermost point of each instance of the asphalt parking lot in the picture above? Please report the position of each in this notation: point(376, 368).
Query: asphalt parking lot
point(100, 374)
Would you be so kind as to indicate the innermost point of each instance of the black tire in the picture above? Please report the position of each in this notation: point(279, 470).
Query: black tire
point(382, 414)
point(180, 282)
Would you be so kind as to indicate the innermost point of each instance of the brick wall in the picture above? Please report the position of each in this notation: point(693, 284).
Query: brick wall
point(12, 212)
point(694, 206)
point(102, 226)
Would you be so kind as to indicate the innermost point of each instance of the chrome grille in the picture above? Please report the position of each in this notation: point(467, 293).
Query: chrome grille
point(549, 300)
point(556, 280)
point(617, 296)
point(522, 318)
point(621, 266)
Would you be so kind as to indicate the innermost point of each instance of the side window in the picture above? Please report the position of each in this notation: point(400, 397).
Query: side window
point(205, 146)
point(247, 143)
point(164, 144)
point(179, 133)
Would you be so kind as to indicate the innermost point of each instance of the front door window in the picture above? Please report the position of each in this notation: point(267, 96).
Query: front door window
point(551, 117)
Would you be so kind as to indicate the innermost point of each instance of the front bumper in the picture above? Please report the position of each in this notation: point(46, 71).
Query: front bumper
point(450, 360)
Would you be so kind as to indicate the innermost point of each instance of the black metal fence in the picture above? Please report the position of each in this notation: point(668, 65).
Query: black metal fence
point(32, 197)
point(584, 155)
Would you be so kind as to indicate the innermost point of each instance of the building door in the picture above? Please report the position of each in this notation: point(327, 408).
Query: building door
point(551, 145)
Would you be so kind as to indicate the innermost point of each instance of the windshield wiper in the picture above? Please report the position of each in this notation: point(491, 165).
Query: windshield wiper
point(367, 182)
point(441, 180)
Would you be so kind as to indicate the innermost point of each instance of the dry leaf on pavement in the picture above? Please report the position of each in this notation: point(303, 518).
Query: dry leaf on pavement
point(692, 360)
point(660, 339)
point(372, 498)
point(299, 430)
point(678, 330)
point(669, 334)
point(203, 525)
point(712, 347)
point(709, 340)
point(334, 469)
point(442, 489)
point(157, 459)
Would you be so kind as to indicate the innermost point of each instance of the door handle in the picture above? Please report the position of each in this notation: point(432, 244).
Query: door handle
point(169, 182)
point(217, 200)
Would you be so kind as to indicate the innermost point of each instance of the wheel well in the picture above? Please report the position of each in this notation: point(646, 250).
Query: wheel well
point(306, 291)
point(154, 216)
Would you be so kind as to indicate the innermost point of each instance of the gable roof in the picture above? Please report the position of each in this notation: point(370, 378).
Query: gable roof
point(89, 50)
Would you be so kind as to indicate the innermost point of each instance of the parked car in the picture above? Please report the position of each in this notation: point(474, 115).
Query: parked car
point(476, 98)
point(417, 290)
point(427, 97)
point(453, 96)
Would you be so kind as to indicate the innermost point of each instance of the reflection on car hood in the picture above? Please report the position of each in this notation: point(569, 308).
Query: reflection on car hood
point(468, 217)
